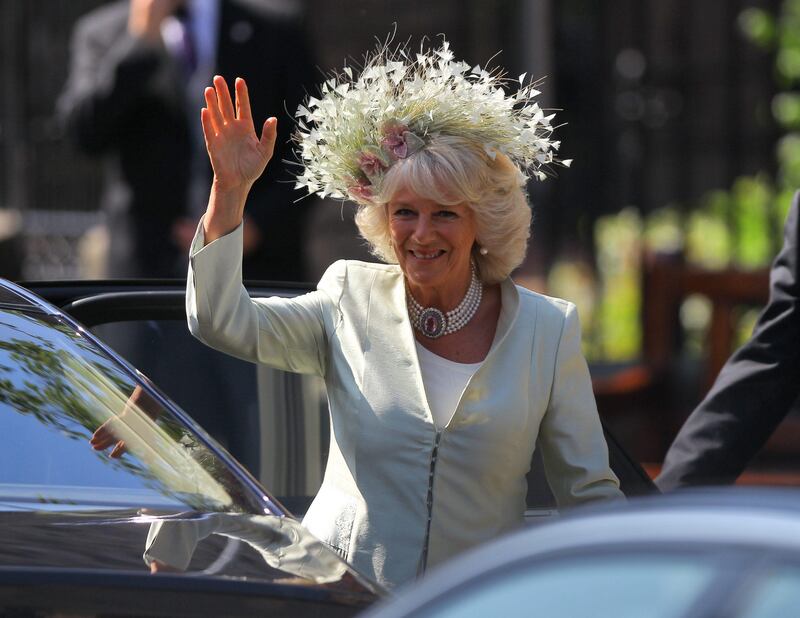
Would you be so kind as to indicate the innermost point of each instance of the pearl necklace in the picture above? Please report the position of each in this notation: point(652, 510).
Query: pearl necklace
point(434, 323)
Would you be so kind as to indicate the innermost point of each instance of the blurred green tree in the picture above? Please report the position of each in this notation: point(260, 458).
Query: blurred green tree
point(740, 226)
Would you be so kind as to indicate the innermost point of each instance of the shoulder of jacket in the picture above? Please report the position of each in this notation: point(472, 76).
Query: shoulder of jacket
point(346, 273)
point(357, 268)
point(101, 27)
point(545, 307)
point(104, 16)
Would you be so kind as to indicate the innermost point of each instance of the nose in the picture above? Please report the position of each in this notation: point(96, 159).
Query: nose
point(423, 229)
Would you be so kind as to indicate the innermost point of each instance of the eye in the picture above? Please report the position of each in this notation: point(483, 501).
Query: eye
point(447, 214)
point(402, 213)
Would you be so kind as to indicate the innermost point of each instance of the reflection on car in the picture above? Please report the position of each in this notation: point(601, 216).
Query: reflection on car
point(174, 522)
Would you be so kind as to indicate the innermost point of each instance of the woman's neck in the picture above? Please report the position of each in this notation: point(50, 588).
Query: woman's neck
point(444, 298)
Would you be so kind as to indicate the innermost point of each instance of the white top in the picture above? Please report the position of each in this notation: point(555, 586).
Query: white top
point(444, 381)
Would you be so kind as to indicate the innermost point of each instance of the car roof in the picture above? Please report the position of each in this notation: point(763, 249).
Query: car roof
point(742, 516)
point(13, 296)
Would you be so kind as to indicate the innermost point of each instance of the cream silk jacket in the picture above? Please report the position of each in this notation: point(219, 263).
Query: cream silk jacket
point(397, 494)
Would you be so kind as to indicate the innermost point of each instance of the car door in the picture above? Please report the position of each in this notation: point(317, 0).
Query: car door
point(274, 422)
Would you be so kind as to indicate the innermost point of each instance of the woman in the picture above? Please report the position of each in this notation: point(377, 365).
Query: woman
point(441, 373)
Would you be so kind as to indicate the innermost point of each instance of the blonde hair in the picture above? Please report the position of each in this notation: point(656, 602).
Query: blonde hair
point(451, 170)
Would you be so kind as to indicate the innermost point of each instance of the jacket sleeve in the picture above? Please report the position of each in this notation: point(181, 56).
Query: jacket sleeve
point(108, 77)
point(754, 391)
point(571, 437)
point(285, 333)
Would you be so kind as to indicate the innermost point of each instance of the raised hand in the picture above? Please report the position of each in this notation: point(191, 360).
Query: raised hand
point(105, 436)
point(146, 16)
point(237, 154)
point(108, 433)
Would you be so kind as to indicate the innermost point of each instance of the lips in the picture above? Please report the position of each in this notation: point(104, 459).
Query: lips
point(427, 255)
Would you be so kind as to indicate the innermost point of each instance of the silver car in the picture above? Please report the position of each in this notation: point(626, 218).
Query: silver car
point(723, 553)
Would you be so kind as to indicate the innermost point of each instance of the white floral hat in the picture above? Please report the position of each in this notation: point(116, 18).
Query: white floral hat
point(360, 125)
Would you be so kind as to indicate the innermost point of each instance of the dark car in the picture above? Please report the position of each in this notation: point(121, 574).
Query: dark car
point(85, 530)
point(172, 527)
point(732, 553)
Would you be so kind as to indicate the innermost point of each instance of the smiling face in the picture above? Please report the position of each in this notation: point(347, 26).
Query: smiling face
point(433, 244)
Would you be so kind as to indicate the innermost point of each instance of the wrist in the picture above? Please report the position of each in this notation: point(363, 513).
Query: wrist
point(225, 210)
point(230, 192)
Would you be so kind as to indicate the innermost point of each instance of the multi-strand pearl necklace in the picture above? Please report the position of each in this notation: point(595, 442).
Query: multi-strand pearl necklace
point(434, 323)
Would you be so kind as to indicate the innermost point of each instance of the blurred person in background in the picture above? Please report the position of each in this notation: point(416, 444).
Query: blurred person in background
point(135, 83)
point(755, 389)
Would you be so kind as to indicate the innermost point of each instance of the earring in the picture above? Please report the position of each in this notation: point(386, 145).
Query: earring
point(483, 251)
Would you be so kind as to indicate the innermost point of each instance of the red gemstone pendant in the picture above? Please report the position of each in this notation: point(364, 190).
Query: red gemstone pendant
point(432, 322)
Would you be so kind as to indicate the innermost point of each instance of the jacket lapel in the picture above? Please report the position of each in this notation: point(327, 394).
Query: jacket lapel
point(389, 330)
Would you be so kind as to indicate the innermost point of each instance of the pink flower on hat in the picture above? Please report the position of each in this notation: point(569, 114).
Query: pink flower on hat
point(371, 163)
point(361, 189)
point(394, 141)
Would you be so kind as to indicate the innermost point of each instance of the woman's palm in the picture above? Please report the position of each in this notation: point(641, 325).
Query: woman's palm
point(237, 157)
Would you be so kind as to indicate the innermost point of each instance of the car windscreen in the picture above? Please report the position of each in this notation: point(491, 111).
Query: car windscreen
point(57, 388)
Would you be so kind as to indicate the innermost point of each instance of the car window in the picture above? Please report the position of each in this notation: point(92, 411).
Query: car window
point(777, 594)
point(56, 389)
point(274, 422)
point(657, 586)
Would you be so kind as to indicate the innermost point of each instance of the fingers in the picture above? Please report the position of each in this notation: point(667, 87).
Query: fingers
point(224, 98)
point(269, 134)
point(118, 450)
point(102, 438)
point(220, 107)
point(243, 111)
point(102, 444)
point(214, 120)
point(208, 127)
